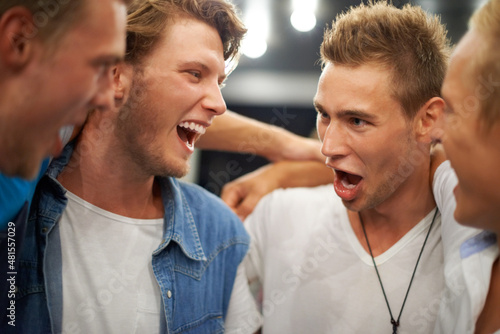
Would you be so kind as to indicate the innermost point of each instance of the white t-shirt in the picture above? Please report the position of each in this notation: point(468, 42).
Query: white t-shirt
point(317, 278)
point(469, 254)
point(108, 281)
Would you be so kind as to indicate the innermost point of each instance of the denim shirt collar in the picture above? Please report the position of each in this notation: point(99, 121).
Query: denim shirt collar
point(179, 225)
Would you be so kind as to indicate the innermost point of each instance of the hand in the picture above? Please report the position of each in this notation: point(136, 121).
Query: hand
point(243, 194)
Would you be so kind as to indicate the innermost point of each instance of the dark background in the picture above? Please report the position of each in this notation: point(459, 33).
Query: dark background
point(283, 81)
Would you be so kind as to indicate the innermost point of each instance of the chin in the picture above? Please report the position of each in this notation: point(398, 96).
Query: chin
point(27, 170)
point(467, 218)
point(178, 171)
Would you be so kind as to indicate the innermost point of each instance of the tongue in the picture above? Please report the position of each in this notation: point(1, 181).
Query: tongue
point(346, 185)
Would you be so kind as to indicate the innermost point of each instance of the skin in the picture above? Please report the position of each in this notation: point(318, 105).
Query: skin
point(179, 81)
point(472, 148)
point(48, 88)
point(365, 133)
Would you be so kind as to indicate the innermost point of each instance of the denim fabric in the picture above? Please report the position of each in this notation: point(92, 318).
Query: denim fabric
point(203, 244)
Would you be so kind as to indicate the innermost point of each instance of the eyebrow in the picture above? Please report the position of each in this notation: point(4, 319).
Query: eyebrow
point(348, 113)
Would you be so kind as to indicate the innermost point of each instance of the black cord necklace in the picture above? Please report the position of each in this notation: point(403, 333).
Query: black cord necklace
point(395, 323)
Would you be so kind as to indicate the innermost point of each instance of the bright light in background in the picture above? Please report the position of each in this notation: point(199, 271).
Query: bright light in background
point(254, 47)
point(257, 22)
point(303, 17)
point(303, 21)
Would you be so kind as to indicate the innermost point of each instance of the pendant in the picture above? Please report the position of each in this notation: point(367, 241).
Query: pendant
point(395, 325)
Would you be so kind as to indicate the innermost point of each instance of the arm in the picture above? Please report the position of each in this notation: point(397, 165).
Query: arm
point(243, 194)
point(236, 133)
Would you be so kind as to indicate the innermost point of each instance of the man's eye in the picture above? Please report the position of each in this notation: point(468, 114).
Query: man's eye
point(105, 67)
point(195, 74)
point(358, 122)
point(323, 115)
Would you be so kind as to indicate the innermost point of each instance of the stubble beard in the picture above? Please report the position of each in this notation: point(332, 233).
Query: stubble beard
point(137, 134)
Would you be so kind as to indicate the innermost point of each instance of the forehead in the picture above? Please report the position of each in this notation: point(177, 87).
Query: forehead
point(186, 39)
point(360, 86)
point(460, 73)
point(89, 34)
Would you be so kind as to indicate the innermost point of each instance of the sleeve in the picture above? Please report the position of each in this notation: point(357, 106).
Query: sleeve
point(243, 316)
point(254, 225)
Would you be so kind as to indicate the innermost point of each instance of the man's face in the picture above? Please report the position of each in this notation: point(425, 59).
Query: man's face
point(64, 85)
point(473, 150)
point(366, 139)
point(174, 96)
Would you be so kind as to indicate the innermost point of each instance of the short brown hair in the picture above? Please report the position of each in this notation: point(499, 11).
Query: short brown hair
point(486, 21)
point(51, 18)
point(409, 41)
point(147, 20)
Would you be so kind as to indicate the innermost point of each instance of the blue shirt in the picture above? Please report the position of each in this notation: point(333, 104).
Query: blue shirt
point(195, 264)
point(14, 193)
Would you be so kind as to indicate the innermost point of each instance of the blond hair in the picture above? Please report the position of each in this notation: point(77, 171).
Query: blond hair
point(147, 20)
point(409, 41)
point(486, 21)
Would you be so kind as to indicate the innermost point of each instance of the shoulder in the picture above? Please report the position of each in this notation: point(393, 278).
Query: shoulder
point(210, 212)
point(203, 201)
point(299, 209)
point(307, 200)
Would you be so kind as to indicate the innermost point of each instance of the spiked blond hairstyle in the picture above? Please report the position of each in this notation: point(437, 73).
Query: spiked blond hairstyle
point(409, 41)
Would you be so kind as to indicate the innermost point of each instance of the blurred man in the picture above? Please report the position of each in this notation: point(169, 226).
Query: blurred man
point(128, 248)
point(471, 141)
point(55, 61)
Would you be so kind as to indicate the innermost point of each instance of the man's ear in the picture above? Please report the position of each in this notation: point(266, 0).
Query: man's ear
point(428, 119)
point(122, 79)
point(17, 38)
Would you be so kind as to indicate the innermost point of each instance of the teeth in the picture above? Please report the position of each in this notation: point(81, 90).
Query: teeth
point(193, 127)
point(347, 185)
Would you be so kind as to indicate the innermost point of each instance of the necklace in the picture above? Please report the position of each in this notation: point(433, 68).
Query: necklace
point(395, 323)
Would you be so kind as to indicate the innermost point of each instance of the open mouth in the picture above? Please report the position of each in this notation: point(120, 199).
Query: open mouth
point(346, 185)
point(349, 181)
point(189, 132)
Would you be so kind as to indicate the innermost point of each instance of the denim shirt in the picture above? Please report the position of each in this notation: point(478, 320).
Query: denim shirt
point(195, 264)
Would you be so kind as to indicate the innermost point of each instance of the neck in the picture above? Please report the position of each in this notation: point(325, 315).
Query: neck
point(389, 221)
point(12, 113)
point(109, 180)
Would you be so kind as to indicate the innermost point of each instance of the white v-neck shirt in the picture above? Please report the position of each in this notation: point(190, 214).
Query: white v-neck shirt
point(317, 278)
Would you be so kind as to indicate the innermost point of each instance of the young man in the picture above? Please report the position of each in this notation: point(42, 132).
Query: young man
point(471, 140)
point(55, 66)
point(327, 269)
point(129, 248)
point(55, 60)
